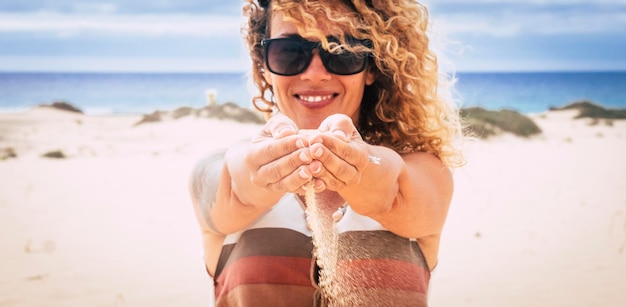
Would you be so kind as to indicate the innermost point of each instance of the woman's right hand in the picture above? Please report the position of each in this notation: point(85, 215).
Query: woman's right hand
point(278, 157)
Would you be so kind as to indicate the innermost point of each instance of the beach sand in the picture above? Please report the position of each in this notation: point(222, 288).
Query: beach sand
point(534, 222)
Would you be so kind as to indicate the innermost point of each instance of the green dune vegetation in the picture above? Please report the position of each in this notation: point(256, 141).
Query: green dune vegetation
point(479, 122)
point(226, 111)
point(588, 109)
point(484, 123)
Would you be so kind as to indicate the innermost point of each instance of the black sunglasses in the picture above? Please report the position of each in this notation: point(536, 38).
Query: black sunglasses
point(291, 56)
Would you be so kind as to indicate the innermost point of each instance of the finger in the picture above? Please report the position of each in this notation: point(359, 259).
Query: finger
point(324, 179)
point(318, 186)
point(332, 169)
point(279, 169)
point(354, 153)
point(262, 153)
point(294, 182)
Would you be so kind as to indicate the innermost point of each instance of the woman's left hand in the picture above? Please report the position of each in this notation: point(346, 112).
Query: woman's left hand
point(338, 152)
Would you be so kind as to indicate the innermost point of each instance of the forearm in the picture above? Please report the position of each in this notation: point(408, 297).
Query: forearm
point(218, 205)
point(241, 190)
point(409, 195)
point(378, 187)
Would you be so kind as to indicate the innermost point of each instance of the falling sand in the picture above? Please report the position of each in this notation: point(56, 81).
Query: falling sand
point(325, 239)
point(334, 280)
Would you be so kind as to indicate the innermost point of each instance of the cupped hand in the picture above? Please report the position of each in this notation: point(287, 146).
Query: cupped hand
point(339, 154)
point(278, 157)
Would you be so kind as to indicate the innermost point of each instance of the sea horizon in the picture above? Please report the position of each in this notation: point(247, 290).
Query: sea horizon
point(104, 92)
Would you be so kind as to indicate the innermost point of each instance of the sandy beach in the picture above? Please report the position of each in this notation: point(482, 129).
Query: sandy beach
point(537, 221)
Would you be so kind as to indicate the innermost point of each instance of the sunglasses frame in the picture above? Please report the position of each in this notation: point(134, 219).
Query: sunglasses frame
point(310, 46)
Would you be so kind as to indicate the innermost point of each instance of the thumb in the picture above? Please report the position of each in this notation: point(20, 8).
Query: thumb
point(340, 125)
point(281, 126)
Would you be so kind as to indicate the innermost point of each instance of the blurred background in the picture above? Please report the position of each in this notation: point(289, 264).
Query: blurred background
point(134, 56)
point(536, 221)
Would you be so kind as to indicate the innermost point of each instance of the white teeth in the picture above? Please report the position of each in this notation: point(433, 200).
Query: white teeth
point(315, 98)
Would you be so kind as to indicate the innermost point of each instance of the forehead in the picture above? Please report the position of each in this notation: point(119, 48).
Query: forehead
point(284, 23)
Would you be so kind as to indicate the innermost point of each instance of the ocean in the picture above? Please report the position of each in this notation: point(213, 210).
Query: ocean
point(141, 93)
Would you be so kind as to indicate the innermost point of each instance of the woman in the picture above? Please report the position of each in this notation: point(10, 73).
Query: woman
point(355, 112)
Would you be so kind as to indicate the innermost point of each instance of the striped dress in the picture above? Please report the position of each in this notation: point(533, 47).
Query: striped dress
point(270, 263)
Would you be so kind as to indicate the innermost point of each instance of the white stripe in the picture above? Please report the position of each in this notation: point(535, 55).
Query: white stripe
point(288, 213)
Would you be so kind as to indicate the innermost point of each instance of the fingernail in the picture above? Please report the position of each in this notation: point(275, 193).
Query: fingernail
point(318, 153)
point(300, 144)
point(317, 170)
point(303, 174)
point(304, 157)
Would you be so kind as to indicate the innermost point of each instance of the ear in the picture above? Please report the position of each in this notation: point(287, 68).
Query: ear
point(370, 77)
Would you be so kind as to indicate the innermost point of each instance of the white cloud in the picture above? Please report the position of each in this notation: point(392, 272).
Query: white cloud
point(506, 18)
point(75, 24)
point(509, 24)
point(470, 32)
point(123, 64)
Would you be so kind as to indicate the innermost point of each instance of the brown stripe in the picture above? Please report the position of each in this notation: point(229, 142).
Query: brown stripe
point(268, 295)
point(279, 242)
point(225, 253)
point(381, 298)
point(264, 270)
point(274, 242)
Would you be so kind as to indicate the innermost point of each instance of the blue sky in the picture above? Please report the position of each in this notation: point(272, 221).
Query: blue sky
point(204, 36)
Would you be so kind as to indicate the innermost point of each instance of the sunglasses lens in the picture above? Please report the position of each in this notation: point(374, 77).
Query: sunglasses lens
point(346, 63)
point(287, 57)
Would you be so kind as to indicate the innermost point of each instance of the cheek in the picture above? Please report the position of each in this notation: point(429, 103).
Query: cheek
point(356, 87)
point(281, 86)
point(268, 77)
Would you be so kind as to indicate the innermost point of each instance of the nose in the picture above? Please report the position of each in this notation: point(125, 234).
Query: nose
point(316, 71)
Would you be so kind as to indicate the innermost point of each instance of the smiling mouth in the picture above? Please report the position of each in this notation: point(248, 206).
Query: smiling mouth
point(315, 99)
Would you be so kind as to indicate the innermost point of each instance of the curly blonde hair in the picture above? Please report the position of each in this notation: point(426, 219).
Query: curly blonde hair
point(407, 108)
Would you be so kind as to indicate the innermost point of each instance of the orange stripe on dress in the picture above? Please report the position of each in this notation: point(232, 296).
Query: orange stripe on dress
point(264, 270)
